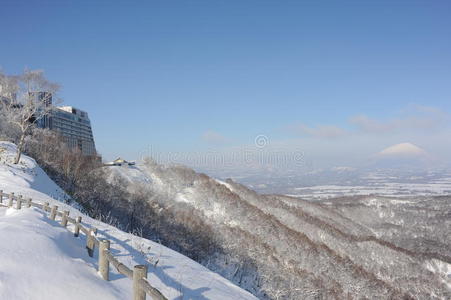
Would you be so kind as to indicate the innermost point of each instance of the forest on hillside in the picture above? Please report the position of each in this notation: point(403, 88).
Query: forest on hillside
point(275, 246)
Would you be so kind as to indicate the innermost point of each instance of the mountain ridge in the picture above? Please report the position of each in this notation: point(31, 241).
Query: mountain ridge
point(286, 229)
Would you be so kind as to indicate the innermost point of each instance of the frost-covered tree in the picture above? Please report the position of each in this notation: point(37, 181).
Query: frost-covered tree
point(25, 99)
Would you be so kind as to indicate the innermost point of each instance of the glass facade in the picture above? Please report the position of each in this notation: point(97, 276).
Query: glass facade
point(74, 126)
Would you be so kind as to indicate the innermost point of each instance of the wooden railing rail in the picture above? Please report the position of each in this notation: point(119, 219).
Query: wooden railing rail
point(141, 287)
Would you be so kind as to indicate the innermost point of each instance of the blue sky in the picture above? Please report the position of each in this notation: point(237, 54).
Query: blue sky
point(334, 78)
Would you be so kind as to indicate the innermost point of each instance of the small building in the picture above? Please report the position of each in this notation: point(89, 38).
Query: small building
point(120, 162)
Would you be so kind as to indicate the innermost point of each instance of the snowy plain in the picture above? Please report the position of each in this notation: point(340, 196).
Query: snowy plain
point(41, 260)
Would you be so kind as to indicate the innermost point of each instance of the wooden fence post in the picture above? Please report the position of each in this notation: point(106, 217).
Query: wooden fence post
point(64, 218)
point(11, 199)
point(139, 272)
point(19, 202)
point(104, 266)
point(53, 212)
point(90, 244)
point(77, 226)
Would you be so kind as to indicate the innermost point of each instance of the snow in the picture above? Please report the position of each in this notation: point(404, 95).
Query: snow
point(38, 258)
point(230, 187)
point(206, 195)
point(26, 176)
point(385, 189)
point(442, 268)
point(41, 260)
point(132, 174)
point(343, 169)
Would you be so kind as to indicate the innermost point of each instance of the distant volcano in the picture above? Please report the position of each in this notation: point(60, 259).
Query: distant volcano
point(404, 156)
point(403, 150)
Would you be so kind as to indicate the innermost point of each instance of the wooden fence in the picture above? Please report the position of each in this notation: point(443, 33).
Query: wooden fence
point(141, 287)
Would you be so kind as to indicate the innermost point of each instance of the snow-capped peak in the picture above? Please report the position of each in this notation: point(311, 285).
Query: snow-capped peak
point(403, 149)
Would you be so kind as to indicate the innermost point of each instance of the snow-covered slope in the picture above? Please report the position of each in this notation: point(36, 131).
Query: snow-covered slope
point(369, 247)
point(40, 260)
point(26, 176)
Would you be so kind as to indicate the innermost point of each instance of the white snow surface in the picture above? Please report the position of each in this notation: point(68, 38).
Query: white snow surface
point(41, 260)
point(385, 189)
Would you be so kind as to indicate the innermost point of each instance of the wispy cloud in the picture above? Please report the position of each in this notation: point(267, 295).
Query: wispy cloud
point(213, 137)
point(322, 131)
point(420, 118)
point(415, 118)
point(368, 125)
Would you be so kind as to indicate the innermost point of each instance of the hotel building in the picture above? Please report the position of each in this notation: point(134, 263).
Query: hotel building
point(74, 126)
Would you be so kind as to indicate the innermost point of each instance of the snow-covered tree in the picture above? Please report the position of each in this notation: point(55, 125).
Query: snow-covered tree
point(25, 99)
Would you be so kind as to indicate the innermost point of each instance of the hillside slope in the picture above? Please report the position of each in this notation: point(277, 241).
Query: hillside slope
point(39, 258)
point(317, 249)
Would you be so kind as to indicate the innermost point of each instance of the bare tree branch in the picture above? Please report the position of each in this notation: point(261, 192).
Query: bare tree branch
point(24, 100)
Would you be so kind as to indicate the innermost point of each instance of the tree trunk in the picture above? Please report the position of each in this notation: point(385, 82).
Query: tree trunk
point(19, 148)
